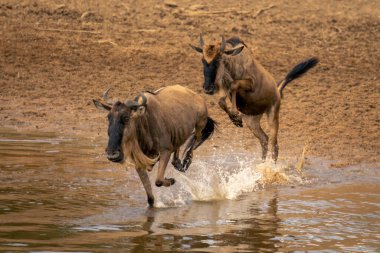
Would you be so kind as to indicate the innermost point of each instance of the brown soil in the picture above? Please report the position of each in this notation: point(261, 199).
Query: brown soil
point(56, 56)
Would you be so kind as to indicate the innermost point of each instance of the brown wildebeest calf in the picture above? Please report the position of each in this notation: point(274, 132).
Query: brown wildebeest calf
point(251, 89)
point(152, 127)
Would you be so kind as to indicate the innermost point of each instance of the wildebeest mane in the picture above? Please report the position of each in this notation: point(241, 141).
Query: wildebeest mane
point(223, 75)
point(139, 144)
point(154, 92)
point(151, 92)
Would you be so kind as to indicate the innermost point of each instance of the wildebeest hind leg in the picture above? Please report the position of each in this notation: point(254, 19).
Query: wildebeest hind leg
point(235, 118)
point(273, 120)
point(253, 123)
point(164, 160)
point(194, 142)
point(176, 162)
point(188, 155)
point(187, 160)
point(146, 183)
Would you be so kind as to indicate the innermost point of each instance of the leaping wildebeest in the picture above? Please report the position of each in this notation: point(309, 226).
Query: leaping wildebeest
point(230, 66)
point(154, 125)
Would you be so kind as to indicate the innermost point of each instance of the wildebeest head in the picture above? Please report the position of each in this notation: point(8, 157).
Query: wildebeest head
point(119, 116)
point(212, 55)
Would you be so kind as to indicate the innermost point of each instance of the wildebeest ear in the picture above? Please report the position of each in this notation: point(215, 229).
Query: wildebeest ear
point(140, 111)
point(100, 105)
point(234, 51)
point(198, 49)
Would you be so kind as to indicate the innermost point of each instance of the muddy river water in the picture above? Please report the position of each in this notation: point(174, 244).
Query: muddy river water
point(62, 195)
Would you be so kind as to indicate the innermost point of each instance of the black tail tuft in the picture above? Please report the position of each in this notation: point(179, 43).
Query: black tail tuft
point(298, 70)
point(207, 131)
point(301, 68)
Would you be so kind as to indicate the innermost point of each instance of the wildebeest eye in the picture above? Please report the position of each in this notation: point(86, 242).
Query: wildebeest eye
point(124, 119)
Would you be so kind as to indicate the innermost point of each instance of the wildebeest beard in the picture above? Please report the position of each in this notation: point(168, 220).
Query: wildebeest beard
point(209, 71)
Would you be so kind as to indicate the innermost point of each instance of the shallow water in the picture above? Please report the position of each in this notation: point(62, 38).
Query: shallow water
point(60, 194)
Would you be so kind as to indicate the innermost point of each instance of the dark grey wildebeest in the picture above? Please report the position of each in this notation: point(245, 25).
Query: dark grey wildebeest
point(230, 66)
point(152, 127)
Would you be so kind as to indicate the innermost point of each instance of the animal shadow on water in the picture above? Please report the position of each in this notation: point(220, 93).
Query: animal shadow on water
point(152, 127)
point(230, 66)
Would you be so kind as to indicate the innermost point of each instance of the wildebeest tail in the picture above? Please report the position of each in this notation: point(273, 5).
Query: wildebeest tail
point(207, 131)
point(297, 71)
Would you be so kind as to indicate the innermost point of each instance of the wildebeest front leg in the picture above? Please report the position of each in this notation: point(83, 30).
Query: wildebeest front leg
point(246, 85)
point(164, 160)
point(146, 183)
point(235, 118)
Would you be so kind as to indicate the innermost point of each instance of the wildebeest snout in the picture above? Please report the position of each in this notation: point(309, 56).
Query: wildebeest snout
point(209, 89)
point(114, 155)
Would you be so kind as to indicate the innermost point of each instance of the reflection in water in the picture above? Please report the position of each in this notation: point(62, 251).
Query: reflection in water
point(61, 194)
point(212, 227)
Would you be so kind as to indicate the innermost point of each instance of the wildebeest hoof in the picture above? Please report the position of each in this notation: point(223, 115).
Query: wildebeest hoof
point(236, 119)
point(171, 180)
point(186, 164)
point(177, 164)
point(150, 201)
point(181, 169)
point(159, 183)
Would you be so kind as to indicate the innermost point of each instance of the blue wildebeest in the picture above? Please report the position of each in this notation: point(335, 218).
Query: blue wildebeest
point(152, 127)
point(250, 87)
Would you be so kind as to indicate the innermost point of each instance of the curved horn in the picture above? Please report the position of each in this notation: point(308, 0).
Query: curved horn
point(106, 98)
point(223, 45)
point(141, 99)
point(201, 42)
point(131, 104)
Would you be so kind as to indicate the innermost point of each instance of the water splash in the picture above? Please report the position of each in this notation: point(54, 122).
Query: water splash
point(278, 174)
point(211, 178)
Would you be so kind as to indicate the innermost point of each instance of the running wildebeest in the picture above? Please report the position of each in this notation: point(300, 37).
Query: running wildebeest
point(251, 89)
point(152, 127)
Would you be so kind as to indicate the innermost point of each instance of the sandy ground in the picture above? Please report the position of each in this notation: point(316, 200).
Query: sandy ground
point(56, 56)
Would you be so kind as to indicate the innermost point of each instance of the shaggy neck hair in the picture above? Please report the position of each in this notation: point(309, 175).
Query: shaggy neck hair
point(138, 142)
point(223, 75)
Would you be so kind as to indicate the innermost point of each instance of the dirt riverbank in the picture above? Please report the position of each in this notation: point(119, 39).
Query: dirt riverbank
point(56, 56)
